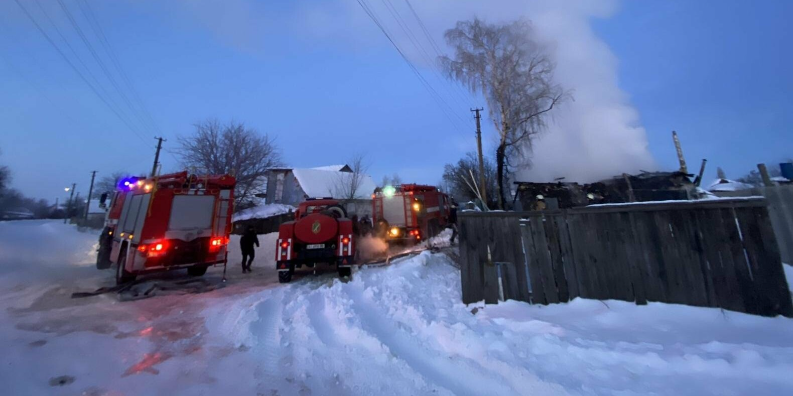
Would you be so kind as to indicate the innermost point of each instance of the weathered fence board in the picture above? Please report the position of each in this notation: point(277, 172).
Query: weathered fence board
point(710, 253)
point(780, 211)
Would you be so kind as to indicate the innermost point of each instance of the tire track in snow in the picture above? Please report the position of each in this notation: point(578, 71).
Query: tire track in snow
point(319, 320)
point(455, 376)
point(267, 331)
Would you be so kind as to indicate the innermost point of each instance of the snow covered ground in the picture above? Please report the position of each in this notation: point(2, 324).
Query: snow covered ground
point(398, 329)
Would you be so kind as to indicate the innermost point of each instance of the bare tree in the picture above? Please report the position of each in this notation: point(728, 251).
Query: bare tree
point(5, 177)
point(109, 183)
point(232, 149)
point(457, 177)
point(514, 74)
point(347, 185)
point(396, 180)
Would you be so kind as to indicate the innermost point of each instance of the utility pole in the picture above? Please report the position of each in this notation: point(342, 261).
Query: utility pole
point(680, 158)
point(90, 191)
point(69, 204)
point(157, 156)
point(482, 186)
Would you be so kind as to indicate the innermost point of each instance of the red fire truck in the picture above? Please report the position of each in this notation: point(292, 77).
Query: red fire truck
point(409, 213)
point(167, 222)
point(321, 233)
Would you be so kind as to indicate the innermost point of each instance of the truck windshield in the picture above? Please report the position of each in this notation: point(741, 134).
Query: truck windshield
point(191, 212)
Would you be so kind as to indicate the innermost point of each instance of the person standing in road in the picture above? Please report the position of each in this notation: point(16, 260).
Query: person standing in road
point(453, 220)
point(247, 241)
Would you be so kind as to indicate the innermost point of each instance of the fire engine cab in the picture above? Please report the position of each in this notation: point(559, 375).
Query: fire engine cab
point(321, 233)
point(172, 221)
point(409, 213)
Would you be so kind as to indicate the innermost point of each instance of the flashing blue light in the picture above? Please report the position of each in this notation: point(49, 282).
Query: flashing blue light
point(127, 183)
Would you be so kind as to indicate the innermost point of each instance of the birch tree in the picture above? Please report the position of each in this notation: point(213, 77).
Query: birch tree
point(514, 73)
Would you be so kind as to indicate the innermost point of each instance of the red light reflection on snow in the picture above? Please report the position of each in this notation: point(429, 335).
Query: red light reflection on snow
point(147, 364)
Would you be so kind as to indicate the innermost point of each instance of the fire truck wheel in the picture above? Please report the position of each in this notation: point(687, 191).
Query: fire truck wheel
point(284, 276)
point(345, 272)
point(197, 270)
point(103, 259)
point(122, 276)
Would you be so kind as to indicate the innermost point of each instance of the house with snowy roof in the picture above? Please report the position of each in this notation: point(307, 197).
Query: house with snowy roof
point(291, 186)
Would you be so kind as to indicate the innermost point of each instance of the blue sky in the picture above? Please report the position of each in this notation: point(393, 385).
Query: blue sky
point(324, 81)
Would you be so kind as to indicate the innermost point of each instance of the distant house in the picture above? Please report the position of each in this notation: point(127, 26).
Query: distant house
point(291, 186)
point(17, 214)
point(96, 211)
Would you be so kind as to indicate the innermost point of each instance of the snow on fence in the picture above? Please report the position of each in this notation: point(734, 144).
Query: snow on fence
point(263, 225)
point(780, 210)
point(720, 253)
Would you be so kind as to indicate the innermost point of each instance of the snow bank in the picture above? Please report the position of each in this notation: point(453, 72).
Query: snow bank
point(394, 330)
point(262, 212)
point(47, 243)
point(401, 329)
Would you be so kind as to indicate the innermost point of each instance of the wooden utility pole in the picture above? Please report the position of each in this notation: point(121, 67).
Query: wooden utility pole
point(157, 156)
point(90, 191)
point(683, 167)
point(764, 174)
point(69, 204)
point(701, 172)
point(482, 185)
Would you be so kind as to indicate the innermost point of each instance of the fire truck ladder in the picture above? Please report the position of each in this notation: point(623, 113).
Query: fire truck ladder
point(407, 199)
point(223, 205)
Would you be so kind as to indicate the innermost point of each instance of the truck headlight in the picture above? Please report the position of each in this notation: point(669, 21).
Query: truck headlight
point(394, 231)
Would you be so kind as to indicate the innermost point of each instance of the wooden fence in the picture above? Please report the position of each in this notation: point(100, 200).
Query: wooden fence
point(707, 253)
point(780, 210)
point(262, 226)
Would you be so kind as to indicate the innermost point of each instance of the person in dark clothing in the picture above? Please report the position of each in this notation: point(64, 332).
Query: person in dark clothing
point(356, 227)
point(246, 245)
point(366, 225)
point(453, 220)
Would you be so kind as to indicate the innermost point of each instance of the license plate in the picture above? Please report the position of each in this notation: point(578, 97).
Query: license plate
point(317, 246)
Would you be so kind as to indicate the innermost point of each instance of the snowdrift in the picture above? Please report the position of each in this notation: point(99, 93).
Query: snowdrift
point(402, 330)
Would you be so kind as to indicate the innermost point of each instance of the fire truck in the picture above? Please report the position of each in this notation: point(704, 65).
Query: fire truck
point(320, 233)
point(167, 222)
point(409, 213)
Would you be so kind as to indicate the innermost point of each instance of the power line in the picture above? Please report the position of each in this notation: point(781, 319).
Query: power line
point(80, 74)
point(72, 50)
point(433, 93)
point(434, 44)
point(99, 61)
point(89, 14)
point(424, 54)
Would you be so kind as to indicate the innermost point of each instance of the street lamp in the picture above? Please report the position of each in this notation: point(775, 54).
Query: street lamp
point(66, 189)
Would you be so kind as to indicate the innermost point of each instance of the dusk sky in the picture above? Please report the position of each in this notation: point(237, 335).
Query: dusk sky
point(321, 78)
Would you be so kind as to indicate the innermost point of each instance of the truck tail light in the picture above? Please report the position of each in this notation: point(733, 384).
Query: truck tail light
point(345, 240)
point(153, 249)
point(283, 252)
point(217, 242)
